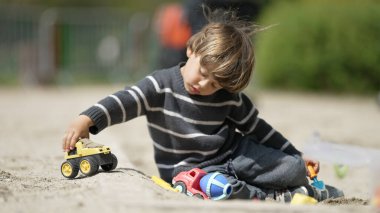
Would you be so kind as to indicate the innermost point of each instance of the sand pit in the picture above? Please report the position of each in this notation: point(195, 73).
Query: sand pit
point(33, 122)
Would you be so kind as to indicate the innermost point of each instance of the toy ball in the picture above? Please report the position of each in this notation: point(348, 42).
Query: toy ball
point(341, 170)
point(216, 186)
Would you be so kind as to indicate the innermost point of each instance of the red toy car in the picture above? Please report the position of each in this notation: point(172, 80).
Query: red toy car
point(188, 183)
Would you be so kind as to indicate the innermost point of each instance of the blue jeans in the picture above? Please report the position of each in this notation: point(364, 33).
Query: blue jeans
point(254, 169)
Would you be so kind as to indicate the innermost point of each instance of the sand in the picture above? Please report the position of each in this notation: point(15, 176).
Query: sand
point(33, 121)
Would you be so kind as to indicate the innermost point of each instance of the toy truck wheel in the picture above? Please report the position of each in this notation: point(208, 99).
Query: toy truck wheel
point(112, 166)
point(88, 166)
point(69, 170)
point(180, 186)
point(199, 196)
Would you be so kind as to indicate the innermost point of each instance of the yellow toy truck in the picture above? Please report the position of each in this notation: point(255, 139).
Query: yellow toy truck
point(87, 156)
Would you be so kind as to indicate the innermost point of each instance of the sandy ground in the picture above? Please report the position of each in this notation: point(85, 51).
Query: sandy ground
point(33, 122)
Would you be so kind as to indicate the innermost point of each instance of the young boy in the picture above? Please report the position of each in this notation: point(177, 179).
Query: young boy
point(198, 117)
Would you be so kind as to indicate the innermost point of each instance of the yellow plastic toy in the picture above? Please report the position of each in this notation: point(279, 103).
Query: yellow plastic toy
point(87, 156)
point(163, 183)
point(300, 199)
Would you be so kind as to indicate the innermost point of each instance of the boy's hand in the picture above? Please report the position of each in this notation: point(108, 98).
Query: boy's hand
point(313, 163)
point(79, 128)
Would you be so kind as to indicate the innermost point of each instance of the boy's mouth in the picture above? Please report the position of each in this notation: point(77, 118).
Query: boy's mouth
point(194, 90)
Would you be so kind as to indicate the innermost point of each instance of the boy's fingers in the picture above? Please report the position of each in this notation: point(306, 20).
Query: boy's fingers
point(68, 139)
point(65, 138)
point(316, 166)
point(64, 141)
point(74, 139)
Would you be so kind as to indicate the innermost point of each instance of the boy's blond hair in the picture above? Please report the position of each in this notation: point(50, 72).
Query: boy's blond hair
point(226, 50)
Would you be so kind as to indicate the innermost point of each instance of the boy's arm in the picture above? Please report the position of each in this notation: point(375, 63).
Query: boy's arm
point(109, 111)
point(121, 106)
point(249, 123)
point(270, 137)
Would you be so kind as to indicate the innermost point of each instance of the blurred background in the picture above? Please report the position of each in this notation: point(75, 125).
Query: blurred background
point(329, 46)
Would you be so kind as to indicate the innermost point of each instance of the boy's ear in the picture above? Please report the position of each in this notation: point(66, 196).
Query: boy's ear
point(188, 52)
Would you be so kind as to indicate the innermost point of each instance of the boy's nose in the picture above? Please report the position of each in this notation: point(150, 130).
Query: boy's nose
point(204, 83)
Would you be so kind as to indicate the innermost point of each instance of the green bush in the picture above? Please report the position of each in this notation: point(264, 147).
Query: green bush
point(320, 46)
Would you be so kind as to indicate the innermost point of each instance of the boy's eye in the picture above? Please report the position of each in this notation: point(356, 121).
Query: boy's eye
point(203, 73)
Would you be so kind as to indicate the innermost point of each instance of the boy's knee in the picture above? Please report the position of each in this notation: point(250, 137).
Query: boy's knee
point(296, 171)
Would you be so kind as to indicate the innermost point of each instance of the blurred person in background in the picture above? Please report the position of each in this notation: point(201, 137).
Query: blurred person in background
point(175, 23)
point(173, 31)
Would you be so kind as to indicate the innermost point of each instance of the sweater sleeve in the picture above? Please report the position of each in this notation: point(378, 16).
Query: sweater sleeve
point(246, 118)
point(121, 106)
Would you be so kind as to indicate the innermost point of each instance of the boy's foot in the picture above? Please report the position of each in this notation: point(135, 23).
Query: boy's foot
point(281, 196)
point(285, 196)
point(328, 192)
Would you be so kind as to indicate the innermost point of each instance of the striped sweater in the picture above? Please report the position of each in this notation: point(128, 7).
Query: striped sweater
point(187, 130)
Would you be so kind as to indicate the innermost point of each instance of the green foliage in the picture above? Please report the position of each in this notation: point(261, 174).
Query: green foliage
point(321, 46)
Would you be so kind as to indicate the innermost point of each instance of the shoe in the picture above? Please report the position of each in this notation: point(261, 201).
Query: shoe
point(286, 195)
point(329, 192)
point(280, 196)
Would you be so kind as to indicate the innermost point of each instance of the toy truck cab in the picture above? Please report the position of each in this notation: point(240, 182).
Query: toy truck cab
point(188, 183)
point(87, 156)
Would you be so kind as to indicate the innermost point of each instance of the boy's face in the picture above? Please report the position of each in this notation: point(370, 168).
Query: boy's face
point(196, 78)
